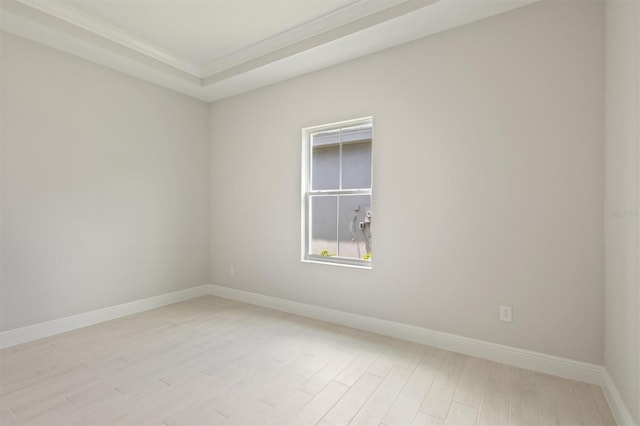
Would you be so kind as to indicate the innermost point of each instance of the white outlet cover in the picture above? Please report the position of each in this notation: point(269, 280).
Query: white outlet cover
point(505, 313)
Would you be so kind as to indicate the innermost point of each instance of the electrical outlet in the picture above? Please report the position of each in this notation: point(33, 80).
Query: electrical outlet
point(232, 270)
point(505, 313)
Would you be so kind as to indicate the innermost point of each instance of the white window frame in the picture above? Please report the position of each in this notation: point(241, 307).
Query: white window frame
point(307, 192)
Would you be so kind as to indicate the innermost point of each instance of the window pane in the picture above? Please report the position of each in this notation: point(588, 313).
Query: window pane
point(325, 160)
point(324, 225)
point(356, 165)
point(354, 242)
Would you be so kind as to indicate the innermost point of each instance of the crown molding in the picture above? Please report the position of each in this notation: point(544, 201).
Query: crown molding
point(87, 22)
point(319, 39)
point(35, 25)
point(328, 22)
point(351, 32)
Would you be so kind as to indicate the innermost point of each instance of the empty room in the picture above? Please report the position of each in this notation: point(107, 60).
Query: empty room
point(331, 212)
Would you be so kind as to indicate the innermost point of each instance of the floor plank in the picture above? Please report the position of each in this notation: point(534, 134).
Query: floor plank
point(423, 419)
point(494, 409)
point(524, 409)
point(311, 413)
point(407, 405)
point(377, 406)
point(461, 415)
point(441, 393)
point(347, 407)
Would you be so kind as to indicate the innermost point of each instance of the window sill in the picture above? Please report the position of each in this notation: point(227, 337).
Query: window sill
point(337, 263)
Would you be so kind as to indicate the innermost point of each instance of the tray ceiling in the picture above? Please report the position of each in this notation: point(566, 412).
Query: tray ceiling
point(211, 49)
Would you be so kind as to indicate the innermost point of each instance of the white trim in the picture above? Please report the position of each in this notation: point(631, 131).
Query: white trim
point(133, 63)
point(536, 361)
point(342, 16)
point(549, 364)
point(618, 408)
point(73, 322)
point(319, 261)
point(102, 28)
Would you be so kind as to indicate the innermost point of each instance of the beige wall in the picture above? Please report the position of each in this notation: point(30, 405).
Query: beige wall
point(104, 187)
point(488, 182)
point(622, 200)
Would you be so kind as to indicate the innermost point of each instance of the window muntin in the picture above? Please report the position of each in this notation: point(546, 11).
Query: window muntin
point(337, 193)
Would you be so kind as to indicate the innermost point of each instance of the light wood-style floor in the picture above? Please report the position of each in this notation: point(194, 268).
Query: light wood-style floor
point(213, 361)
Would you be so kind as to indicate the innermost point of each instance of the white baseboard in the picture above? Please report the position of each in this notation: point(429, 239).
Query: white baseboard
point(549, 364)
point(618, 407)
point(49, 328)
point(544, 363)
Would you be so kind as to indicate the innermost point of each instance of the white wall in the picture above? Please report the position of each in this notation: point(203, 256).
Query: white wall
point(104, 187)
point(488, 181)
point(622, 194)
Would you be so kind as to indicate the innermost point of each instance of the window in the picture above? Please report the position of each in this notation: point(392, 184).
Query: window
point(336, 193)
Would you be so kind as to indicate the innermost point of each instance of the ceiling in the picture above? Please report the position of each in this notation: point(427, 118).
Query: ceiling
point(211, 49)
